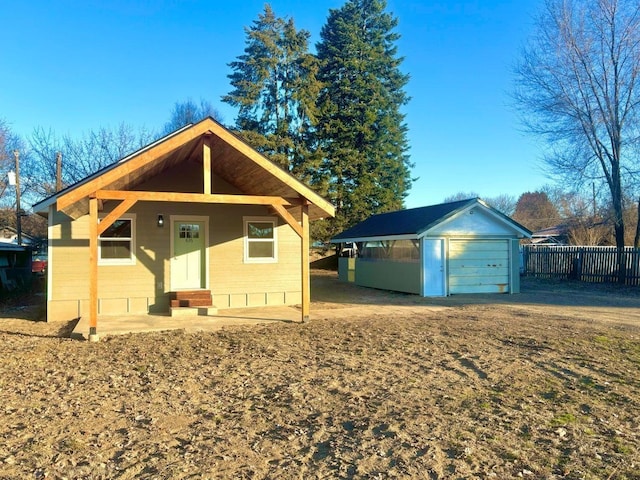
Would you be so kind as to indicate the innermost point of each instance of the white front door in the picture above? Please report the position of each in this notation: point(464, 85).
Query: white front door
point(433, 271)
point(188, 255)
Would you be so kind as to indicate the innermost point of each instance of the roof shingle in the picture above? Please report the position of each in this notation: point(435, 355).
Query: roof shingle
point(403, 222)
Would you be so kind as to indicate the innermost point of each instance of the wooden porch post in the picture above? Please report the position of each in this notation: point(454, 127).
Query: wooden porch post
point(206, 164)
point(93, 270)
point(306, 287)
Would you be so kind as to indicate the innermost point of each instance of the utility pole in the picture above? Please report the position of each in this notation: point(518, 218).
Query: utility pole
point(16, 154)
point(58, 171)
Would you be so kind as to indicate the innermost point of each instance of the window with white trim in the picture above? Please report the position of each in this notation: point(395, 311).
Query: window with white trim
point(260, 240)
point(116, 245)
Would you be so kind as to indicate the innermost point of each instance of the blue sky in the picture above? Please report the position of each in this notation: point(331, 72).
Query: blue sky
point(74, 66)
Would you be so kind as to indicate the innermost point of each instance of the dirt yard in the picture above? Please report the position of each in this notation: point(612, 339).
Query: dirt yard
point(545, 384)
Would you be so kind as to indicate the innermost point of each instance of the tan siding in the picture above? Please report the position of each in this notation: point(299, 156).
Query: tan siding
point(256, 299)
point(238, 300)
point(140, 304)
point(63, 310)
point(144, 286)
point(221, 301)
point(293, 298)
point(70, 263)
point(230, 275)
point(276, 298)
point(111, 306)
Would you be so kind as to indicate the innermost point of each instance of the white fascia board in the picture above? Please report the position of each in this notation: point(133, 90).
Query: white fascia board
point(43, 205)
point(410, 236)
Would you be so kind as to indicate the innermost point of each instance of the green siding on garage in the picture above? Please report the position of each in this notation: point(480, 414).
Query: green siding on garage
point(396, 276)
point(479, 266)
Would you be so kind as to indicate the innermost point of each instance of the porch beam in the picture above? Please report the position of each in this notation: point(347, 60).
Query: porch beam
point(116, 213)
point(93, 269)
point(287, 217)
point(194, 197)
point(305, 244)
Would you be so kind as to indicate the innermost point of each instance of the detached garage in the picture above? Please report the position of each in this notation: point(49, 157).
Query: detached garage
point(452, 248)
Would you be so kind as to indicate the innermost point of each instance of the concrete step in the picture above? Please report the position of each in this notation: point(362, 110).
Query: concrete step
point(192, 302)
point(205, 311)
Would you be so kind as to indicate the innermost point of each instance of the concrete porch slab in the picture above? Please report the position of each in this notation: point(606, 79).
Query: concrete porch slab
point(123, 324)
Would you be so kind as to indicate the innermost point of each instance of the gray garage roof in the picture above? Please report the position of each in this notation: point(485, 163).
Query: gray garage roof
point(414, 221)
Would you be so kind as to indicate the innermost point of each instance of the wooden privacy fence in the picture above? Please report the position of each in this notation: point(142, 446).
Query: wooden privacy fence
point(587, 264)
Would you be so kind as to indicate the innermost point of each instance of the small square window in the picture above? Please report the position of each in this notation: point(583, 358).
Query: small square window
point(189, 231)
point(116, 244)
point(260, 242)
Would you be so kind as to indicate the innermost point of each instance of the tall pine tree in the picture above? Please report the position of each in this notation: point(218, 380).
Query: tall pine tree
point(360, 124)
point(275, 90)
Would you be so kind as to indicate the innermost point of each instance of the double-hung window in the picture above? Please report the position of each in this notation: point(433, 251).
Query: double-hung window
point(260, 240)
point(116, 245)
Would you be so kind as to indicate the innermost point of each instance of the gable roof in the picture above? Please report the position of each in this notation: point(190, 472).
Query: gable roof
point(232, 159)
point(9, 234)
point(561, 230)
point(416, 222)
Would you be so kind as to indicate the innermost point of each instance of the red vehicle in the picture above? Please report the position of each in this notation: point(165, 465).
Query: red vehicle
point(39, 266)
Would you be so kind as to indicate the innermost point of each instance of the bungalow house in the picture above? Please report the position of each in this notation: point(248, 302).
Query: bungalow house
point(195, 220)
point(458, 247)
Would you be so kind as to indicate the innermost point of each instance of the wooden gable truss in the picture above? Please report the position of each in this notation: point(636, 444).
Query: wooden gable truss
point(234, 161)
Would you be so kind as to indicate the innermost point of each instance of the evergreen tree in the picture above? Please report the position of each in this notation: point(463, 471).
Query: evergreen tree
point(275, 90)
point(360, 124)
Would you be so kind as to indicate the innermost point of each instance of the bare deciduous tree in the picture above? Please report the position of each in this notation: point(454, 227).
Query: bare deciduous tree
point(460, 196)
point(187, 112)
point(82, 157)
point(577, 84)
point(504, 203)
point(4, 157)
point(583, 231)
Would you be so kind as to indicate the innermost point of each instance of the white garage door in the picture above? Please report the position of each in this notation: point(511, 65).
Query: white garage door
point(478, 266)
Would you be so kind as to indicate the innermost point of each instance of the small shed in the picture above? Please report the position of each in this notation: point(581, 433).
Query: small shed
point(15, 266)
point(452, 248)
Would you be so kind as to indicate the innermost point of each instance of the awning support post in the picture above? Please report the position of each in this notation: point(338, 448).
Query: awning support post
point(306, 286)
point(93, 270)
